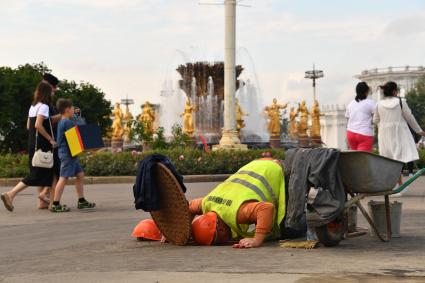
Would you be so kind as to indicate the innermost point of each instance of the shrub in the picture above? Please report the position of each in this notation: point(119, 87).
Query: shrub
point(141, 136)
point(159, 141)
point(186, 160)
point(108, 164)
point(13, 165)
point(180, 138)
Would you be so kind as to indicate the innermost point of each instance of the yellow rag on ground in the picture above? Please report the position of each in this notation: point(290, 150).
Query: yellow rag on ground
point(299, 244)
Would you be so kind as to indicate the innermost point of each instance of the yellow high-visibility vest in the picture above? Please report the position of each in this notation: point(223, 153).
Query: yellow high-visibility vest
point(259, 180)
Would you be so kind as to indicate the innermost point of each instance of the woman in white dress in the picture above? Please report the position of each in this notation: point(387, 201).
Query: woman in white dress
point(394, 117)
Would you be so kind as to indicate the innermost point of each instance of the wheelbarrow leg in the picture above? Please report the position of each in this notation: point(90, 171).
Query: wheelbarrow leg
point(388, 217)
point(369, 220)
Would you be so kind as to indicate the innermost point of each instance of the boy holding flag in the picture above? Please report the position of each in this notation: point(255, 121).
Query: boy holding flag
point(70, 166)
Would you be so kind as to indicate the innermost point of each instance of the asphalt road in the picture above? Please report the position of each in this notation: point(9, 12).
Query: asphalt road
point(95, 246)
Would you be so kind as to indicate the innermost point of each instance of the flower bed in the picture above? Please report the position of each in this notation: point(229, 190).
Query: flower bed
point(187, 161)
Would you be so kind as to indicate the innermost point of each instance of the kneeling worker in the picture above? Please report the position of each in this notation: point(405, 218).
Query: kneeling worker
point(254, 195)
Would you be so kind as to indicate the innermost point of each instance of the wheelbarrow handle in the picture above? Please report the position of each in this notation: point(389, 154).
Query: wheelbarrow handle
point(409, 181)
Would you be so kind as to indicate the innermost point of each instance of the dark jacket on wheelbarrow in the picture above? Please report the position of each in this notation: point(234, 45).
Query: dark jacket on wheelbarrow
point(146, 194)
point(313, 173)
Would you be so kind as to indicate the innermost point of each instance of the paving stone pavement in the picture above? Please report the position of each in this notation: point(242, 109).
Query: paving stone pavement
point(95, 246)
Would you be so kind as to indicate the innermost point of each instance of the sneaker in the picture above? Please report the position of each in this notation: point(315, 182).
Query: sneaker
point(86, 204)
point(60, 208)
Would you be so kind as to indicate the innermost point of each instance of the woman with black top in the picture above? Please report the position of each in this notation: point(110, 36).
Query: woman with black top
point(45, 195)
point(38, 121)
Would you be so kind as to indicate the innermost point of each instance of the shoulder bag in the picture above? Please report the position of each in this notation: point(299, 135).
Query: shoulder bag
point(42, 159)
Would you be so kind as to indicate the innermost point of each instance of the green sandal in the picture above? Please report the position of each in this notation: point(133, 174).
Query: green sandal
point(60, 208)
point(86, 204)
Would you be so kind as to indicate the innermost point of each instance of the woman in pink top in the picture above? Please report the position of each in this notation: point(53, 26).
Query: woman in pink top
point(360, 114)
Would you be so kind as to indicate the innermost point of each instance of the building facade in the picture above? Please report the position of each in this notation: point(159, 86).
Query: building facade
point(334, 126)
point(406, 77)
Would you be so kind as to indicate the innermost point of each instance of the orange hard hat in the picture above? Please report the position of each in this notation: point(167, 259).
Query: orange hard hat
point(209, 229)
point(203, 228)
point(147, 229)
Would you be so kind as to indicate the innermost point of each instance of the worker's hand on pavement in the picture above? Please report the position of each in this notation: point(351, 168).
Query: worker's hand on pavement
point(163, 239)
point(248, 243)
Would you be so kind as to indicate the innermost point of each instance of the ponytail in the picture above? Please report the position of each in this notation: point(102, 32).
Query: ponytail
point(362, 90)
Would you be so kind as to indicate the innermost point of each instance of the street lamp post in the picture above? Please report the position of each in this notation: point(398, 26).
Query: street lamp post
point(127, 102)
point(314, 75)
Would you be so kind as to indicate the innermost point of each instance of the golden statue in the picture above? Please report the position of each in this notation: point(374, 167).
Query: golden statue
point(127, 129)
point(315, 120)
point(117, 129)
point(240, 123)
point(147, 117)
point(293, 124)
point(188, 126)
point(303, 124)
point(273, 113)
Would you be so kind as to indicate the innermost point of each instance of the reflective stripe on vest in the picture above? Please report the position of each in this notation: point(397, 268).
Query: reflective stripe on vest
point(259, 180)
point(263, 181)
point(250, 186)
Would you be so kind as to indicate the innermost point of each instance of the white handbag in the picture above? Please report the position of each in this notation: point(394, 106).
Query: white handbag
point(42, 159)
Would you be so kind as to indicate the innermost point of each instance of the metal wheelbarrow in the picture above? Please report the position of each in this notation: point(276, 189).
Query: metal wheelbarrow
point(365, 174)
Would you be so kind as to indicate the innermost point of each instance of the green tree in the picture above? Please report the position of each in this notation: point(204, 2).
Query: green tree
point(91, 100)
point(139, 134)
point(416, 100)
point(16, 93)
point(180, 138)
point(159, 141)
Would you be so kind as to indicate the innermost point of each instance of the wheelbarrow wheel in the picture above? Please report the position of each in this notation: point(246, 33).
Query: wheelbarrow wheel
point(332, 233)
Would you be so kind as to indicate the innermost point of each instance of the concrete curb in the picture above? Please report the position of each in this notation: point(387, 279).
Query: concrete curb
point(88, 180)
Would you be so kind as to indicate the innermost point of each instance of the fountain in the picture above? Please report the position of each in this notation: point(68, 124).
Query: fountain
point(203, 84)
point(255, 130)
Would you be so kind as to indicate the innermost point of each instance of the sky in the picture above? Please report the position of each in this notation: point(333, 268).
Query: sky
point(130, 47)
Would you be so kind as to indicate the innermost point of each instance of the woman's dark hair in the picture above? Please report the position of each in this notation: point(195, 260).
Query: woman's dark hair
point(63, 104)
point(43, 94)
point(362, 90)
point(389, 88)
